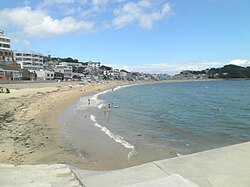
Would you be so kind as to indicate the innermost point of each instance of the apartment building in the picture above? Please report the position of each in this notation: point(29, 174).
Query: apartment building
point(29, 60)
point(65, 69)
point(6, 55)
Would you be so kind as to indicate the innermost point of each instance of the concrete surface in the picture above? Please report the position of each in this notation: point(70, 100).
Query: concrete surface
point(37, 176)
point(227, 166)
point(170, 181)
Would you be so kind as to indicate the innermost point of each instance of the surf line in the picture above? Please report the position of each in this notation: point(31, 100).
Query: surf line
point(116, 138)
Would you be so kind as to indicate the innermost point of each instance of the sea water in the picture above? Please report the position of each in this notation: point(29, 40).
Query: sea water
point(158, 121)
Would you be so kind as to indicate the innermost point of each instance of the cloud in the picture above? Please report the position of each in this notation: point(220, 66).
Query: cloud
point(52, 2)
point(240, 62)
point(100, 2)
point(50, 18)
point(141, 12)
point(175, 68)
point(170, 68)
point(39, 24)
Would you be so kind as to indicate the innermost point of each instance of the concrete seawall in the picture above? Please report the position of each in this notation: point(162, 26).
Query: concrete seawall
point(227, 166)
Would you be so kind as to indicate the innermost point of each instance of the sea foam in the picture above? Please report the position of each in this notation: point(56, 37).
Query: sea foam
point(116, 138)
point(125, 86)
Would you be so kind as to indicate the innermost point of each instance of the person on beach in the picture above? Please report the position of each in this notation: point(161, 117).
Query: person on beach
point(88, 101)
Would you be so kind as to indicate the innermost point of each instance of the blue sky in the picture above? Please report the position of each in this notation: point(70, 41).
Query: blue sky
point(162, 36)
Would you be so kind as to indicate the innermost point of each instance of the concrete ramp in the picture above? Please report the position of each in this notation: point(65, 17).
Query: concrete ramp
point(139, 176)
point(227, 166)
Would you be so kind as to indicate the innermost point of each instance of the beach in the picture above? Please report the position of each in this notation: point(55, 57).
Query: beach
point(52, 122)
point(29, 129)
point(31, 136)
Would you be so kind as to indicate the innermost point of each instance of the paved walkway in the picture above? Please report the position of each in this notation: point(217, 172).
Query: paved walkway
point(228, 166)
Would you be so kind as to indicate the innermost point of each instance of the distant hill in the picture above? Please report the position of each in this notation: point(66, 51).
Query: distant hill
point(230, 71)
point(226, 72)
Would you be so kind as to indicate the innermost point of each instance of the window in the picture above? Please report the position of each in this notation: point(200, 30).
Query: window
point(6, 45)
point(28, 59)
point(26, 54)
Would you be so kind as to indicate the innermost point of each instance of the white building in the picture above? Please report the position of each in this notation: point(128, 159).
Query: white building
point(45, 74)
point(115, 74)
point(73, 64)
point(29, 60)
point(50, 64)
point(66, 70)
point(95, 65)
point(6, 55)
point(123, 74)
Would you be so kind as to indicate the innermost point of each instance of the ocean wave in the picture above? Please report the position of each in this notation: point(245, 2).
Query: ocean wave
point(93, 118)
point(101, 105)
point(83, 102)
point(125, 86)
point(116, 138)
point(131, 153)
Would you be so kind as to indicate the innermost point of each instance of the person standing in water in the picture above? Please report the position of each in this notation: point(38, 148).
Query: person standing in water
point(88, 101)
point(105, 110)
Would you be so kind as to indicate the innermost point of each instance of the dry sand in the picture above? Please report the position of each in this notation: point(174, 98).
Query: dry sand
point(29, 129)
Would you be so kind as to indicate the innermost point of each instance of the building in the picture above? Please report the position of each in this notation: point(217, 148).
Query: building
point(9, 73)
point(124, 74)
point(50, 64)
point(95, 65)
point(114, 74)
point(73, 64)
point(66, 70)
point(6, 55)
point(29, 60)
point(45, 74)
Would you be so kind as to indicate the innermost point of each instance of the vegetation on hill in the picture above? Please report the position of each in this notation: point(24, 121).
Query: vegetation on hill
point(226, 72)
point(230, 71)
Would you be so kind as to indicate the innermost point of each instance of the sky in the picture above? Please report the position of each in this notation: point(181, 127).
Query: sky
point(152, 36)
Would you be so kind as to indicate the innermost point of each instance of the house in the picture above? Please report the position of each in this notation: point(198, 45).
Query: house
point(124, 74)
point(9, 73)
point(65, 69)
point(28, 75)
point(59, 76)
point(115, 74)
point(95, 65)
point(44, 74)
point(93, 71)
point(50, 64)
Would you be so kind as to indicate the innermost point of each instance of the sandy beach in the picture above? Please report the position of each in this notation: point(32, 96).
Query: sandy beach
point(29, 129)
